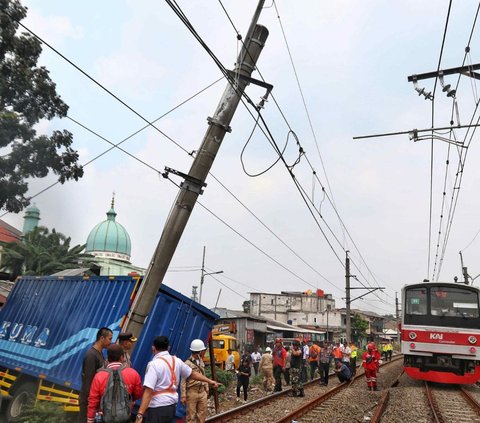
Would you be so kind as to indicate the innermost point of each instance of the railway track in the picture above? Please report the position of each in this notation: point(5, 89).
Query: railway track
point(452, 404)
point(316, 408)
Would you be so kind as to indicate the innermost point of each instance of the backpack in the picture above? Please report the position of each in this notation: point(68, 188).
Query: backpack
point(116, 401)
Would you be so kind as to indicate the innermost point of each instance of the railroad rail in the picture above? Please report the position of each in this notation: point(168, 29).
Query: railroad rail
point(310, 407)
point(452, 403)
point(243, 411)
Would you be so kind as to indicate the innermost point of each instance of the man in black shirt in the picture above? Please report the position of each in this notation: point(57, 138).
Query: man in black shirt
point(92, 361)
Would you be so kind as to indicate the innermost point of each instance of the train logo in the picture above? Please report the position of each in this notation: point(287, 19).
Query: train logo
point(412, 335)
point(437, 336)
point(472, 340)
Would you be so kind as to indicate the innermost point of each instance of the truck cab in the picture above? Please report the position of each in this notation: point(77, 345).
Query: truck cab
point(221, 344)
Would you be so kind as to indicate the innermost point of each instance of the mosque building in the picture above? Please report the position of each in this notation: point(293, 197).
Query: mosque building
point(110, 243)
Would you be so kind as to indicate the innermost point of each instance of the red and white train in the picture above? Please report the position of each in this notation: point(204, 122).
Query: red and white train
point(440, 332)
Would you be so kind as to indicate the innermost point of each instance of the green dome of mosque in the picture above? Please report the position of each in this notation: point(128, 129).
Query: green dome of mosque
point(109, 239)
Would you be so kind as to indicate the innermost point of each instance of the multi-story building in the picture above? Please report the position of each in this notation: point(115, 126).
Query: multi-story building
point(291, 307)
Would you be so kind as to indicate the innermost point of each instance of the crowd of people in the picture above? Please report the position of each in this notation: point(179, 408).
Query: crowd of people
point(165, 374)
point(299, 361)
point(110, 388)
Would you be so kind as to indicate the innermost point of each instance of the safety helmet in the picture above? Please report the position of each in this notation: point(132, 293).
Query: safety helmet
point(268, 349)
point(371, 346)
point(197, 345)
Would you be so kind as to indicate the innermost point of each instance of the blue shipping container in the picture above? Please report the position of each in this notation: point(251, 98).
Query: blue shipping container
point(48, 323)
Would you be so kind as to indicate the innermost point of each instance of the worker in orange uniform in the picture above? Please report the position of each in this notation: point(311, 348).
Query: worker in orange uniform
point(370, 363)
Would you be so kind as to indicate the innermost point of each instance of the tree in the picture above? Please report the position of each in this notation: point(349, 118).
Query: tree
point(28, 95)
point(43, 253)
point(246, 307)
point(359, 327)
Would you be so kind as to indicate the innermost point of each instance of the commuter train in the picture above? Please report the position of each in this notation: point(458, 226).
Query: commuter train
point(440, 332)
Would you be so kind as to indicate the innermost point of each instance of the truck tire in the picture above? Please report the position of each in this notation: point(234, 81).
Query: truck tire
point(24, 396)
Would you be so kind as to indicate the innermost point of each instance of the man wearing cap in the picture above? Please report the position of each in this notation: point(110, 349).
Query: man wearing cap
point(194, 392)
point(266, 369)
point(126, 340)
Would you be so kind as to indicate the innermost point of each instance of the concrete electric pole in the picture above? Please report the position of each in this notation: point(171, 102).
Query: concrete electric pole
point(348, 323)
point(193, 183)
point(348, 300)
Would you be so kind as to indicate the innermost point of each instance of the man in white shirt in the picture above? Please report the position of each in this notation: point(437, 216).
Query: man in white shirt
point(256, 357)
point(162, 378)
point(305, 355)
point(230, 363)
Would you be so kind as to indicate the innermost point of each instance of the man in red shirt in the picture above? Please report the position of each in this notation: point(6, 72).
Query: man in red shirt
point(279, 355)
point(131, 379)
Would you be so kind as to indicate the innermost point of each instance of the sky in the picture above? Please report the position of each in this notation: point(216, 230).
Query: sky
point(383, 197)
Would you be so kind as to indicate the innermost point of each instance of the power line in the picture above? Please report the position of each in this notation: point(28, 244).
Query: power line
point(432, 142)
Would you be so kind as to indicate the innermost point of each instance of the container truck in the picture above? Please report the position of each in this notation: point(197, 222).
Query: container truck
point(48, 323)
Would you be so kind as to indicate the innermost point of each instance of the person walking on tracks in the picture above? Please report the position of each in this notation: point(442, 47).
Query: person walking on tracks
point(279, 359)
point(163, 374)
point(243, 378)
point(92, 361)
point(102, 397)
point(194, 394)
point(314, 352)
point(266, 369)
point(296, 364)
point(256, 357)
point(370, 360)
point(326, 355)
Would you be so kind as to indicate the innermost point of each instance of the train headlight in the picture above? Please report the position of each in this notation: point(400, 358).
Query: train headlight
point(412, 335)
point(473, 350)
point(412, 345)
point(472, 340)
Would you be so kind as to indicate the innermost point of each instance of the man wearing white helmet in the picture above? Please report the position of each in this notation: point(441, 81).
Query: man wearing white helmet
point(194, 393)
point(266, 368)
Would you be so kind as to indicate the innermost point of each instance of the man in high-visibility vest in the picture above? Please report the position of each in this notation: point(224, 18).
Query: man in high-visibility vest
point(389, 347)
point(353, 358)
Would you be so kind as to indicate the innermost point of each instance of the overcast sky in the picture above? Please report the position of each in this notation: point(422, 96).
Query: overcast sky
point(352, 59)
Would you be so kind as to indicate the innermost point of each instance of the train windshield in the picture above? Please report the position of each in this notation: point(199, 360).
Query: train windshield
point(453, 302)
point(442, 305)
point(416, 301)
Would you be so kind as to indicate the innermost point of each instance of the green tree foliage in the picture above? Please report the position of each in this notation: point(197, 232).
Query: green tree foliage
point(246, 306)
point(27, 96)
point(42, 253)
point(359, 327)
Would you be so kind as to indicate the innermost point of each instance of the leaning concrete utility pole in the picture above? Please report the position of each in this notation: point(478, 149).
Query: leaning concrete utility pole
point(193, 183)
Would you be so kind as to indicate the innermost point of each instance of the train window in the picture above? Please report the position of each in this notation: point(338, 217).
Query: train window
point(453, 302)
point(416, 301)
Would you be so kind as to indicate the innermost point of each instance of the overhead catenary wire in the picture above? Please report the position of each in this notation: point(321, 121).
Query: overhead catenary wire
point(461, 163)
point(130, 136)
point(432, 142)
point(303, 153)
point(270, 136)
point(132, 110)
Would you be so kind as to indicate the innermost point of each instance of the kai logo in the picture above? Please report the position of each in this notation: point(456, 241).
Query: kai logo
point(437, 336)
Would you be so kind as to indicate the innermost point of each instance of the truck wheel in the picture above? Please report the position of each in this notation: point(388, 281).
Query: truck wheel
point(24, 396)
